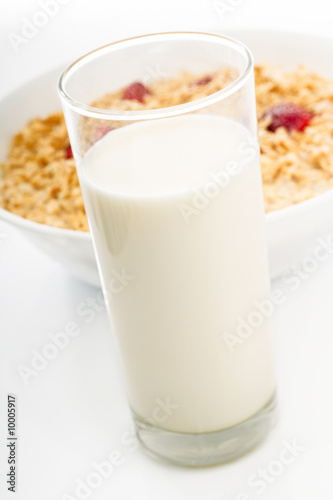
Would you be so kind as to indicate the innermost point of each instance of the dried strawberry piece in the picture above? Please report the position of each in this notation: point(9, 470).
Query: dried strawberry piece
point(288, 115)
point(136, 91)
point(204, 80)
point(69, 152)
point(101, 131)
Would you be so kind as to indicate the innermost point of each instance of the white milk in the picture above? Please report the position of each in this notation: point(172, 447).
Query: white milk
point(198, 264)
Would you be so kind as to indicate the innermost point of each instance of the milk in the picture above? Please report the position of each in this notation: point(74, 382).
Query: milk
point(176, 205)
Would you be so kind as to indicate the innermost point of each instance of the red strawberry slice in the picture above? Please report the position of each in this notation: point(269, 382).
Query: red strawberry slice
point(204, 80)
point(101, 131)
point(69, 152)
point(136, 91)
point(288, 115)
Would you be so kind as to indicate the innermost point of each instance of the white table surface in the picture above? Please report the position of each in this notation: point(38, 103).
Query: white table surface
point(73, 412)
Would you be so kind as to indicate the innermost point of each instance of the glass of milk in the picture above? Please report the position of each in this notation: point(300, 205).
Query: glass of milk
point(175, 208)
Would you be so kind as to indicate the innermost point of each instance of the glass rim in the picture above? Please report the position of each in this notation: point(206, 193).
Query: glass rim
point(169, 111)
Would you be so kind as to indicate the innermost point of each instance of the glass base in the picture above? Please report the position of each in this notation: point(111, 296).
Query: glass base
point(199, 450)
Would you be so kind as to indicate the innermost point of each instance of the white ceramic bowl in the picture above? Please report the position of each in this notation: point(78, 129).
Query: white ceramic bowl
point(72, 249)
point(292, 232)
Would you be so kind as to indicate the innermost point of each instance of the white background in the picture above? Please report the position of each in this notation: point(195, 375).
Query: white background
point(74, 412)
point(83, 25)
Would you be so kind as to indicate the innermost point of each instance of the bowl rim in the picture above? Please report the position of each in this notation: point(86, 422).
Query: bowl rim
point(28, 224)
point(271, 217)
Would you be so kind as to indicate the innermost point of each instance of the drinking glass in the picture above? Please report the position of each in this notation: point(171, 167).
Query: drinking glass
point(174, 202)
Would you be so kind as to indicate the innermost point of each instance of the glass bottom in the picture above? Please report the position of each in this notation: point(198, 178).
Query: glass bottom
point(199, 450)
